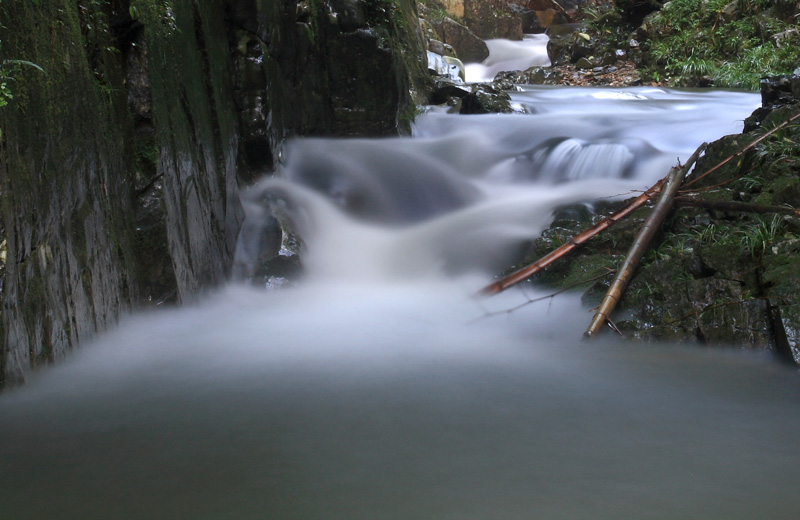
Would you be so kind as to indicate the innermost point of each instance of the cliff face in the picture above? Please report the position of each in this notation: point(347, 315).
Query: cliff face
point(70, 263)
point(121, 162)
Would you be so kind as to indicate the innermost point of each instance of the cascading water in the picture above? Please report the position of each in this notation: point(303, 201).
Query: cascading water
point(531, 51)
point(377, 387)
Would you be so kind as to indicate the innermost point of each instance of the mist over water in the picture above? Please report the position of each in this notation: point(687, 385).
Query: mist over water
point(379, 387)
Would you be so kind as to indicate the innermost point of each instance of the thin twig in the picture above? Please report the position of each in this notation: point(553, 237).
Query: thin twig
point(743, 150)
point(546, 297)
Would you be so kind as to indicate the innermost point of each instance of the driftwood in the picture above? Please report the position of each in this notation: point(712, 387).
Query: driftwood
point(643, 239)
point(582, 237)
point(742, 207)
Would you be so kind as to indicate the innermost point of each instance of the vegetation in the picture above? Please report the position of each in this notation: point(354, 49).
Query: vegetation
point(719, 42)
point(9, 68)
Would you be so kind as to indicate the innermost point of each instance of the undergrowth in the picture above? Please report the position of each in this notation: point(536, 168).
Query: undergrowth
point(724, 43)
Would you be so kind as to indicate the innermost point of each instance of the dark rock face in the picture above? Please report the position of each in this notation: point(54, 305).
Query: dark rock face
point(469, 48)
point(70, 265)
point(492, 19)
point(121, 162)
point(346, 67)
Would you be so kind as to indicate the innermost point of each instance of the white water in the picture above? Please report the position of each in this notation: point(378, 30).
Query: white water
point(509, 55)
point(378, 388)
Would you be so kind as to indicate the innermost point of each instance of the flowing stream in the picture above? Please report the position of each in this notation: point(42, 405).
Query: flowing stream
point(378, 388)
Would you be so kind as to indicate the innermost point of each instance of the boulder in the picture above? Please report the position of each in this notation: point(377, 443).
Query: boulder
point(530, 20)
point(486, 99)
point(533, 76)
point(446, 66)
point(569, 47)
point(443, 49)
point(469, 47)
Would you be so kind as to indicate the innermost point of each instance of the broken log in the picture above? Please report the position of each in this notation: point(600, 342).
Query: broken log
point(641, 243)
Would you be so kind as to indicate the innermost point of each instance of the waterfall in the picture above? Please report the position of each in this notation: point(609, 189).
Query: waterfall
point(377, 386)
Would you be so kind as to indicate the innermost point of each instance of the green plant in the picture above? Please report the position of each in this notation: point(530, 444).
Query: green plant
point(752, 183)
point(733, 44)
point(713, 233)
point(9, 69)
point(755, 238)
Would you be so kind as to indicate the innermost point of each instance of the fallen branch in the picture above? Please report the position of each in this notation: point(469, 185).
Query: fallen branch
point(744, 207)
point(743, 150)
point(643, 239)
point(582, 237)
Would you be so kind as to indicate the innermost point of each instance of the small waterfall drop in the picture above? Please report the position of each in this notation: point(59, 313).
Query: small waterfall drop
point(378, 387)
point(504, 55)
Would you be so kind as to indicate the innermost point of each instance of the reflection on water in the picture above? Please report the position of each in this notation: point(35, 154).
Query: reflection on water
point(379, 387)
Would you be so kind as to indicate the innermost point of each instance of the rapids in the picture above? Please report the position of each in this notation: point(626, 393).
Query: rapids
point(378, 387)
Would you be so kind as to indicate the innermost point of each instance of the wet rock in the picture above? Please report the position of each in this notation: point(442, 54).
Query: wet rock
point(349, 14)
point(125, 177)
point(712, 277)
point(540, 76)
point(610, 58)
point(569, 47)
point(485, 99)
point(776, 91)
point(781, 276)
point(559, 49)
point(454, 7)
point(447, 92)
point(446, 67)
point(443, 49)
point(780, 90)
point(508, 80)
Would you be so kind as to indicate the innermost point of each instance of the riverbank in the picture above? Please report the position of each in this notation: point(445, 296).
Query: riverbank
point(720, 274)
point(714, 276)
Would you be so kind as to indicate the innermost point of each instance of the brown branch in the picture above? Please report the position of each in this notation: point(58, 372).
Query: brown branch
point(533, 268)
point(743, 150)
point(744, 207)
point(643, 239)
